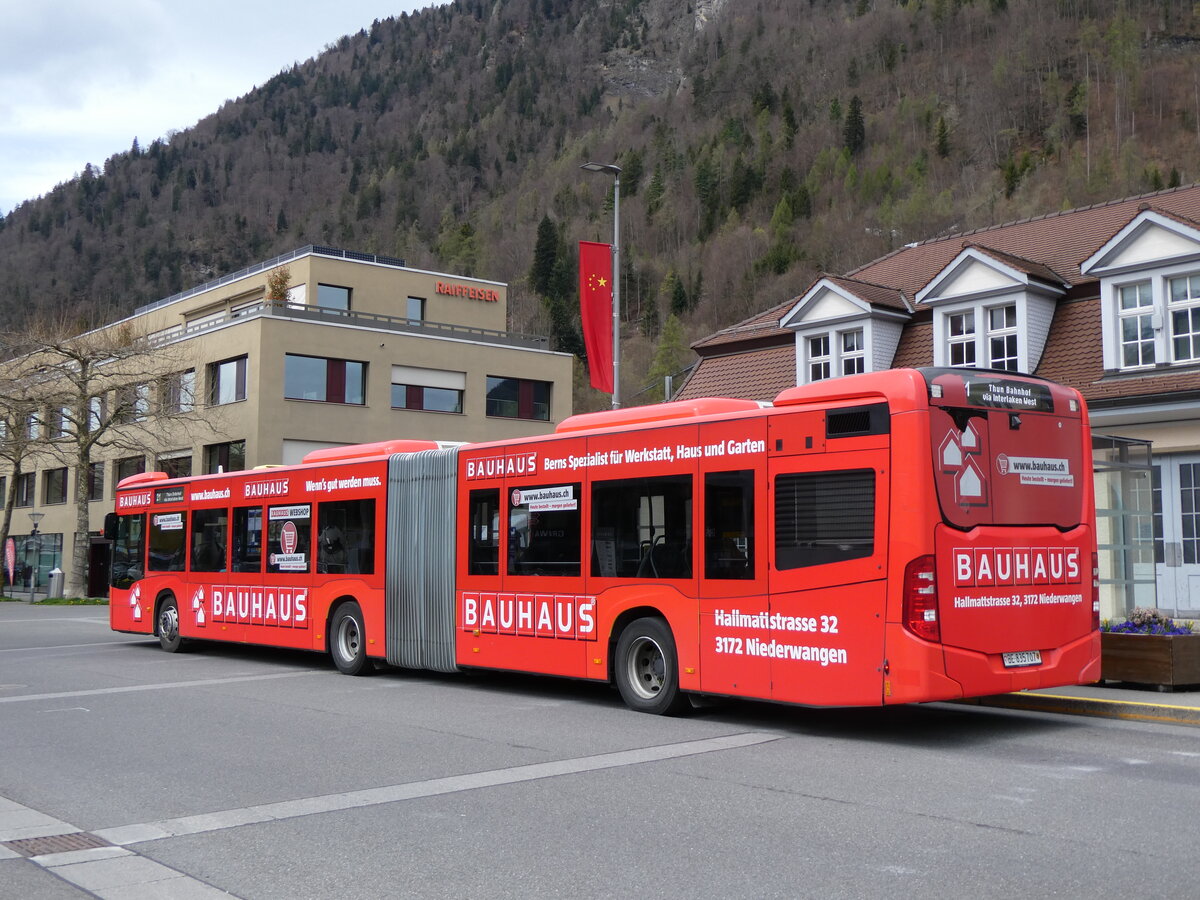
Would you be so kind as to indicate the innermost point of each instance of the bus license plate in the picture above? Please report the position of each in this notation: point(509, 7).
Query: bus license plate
point(1023, 658)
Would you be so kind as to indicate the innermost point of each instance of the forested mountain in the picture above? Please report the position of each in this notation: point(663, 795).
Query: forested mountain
point(762, 141)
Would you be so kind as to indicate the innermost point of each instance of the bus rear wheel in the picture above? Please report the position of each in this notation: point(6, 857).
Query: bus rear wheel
point(348, 640)
point(646, 668)
point(167, 625)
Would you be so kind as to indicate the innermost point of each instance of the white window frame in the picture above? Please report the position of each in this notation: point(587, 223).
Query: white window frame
point(1003, 333)
point(839, 358)
point(1189, 306)
point(1142, 315)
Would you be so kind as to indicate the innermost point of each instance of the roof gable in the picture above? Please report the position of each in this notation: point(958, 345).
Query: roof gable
point(978, 271)
point(824, 302)
point(1148, 238)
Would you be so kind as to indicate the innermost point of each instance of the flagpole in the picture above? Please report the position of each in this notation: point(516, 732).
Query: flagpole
point(615, 172)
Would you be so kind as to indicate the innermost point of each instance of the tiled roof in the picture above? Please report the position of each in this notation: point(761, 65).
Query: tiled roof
point(753, 375)
point(1048, 248)
point(764, 324)
point(1061, 241)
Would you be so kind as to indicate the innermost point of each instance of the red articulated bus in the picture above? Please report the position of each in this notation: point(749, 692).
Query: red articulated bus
point(892, 537)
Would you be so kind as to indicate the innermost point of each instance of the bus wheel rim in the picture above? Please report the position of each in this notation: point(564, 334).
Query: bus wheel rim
point(647, 667)
point(348, 638)
point(168, 622)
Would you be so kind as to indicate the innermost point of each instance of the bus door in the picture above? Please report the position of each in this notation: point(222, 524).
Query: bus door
point(830, 478)
point(733, 561)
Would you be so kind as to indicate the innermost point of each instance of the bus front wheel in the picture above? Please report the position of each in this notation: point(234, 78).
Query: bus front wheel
point(168, 625)
point(647, 668)
point(348, 640)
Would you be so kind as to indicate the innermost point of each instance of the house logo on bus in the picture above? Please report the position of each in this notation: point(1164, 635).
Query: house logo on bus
point(959, 457)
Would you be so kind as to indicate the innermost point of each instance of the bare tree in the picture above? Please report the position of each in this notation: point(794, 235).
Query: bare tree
point(16, 445)
point(111, 387)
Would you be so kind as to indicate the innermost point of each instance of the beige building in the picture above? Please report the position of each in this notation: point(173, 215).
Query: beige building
point(363, 349)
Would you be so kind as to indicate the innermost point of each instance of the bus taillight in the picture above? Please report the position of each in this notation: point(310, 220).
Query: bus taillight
point(920, 599)
point(1095, 591)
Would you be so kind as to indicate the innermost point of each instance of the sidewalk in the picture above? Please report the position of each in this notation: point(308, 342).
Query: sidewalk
point(1107, 699)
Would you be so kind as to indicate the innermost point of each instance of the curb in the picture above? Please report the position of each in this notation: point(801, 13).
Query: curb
point(1090, 706)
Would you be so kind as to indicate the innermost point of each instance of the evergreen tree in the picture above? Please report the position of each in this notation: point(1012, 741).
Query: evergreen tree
point(854, 132)
point(670, 357)
point(545, 254)
point(942, 138)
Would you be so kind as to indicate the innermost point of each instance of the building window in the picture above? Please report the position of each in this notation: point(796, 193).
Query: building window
point(179, 392)
point(97, 410)
point(518, 398)
point(854, 352)
point(326, 380)
point(330, 296)
point(818, 357)
point(3, 488)
point(1002, 337)
point(1136, 322)
point(416, 309)
point(433, 390)
point(1184, 308)
point(127, 467)
point(33, 426)
point(227, 381)
point(96, 481)
point(227, 457)
point(60, 422)
point(961, 338)
point(54, 486)
point(176, 465)
point(25, 488)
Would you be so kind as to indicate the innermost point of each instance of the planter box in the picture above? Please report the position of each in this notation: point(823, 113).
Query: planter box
point(1167, 660)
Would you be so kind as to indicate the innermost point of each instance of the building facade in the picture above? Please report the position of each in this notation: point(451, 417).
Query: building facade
point(361, 348)
point(1105, 299)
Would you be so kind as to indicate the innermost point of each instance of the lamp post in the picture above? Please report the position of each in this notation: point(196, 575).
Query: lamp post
point(615, 172)
point(35, 518)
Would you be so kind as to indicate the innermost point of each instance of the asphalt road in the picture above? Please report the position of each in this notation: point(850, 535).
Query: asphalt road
point(266, 774)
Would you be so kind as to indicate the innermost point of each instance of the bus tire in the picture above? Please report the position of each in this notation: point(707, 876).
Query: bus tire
point(348, 640)
point(646, 668)
point(166, 625)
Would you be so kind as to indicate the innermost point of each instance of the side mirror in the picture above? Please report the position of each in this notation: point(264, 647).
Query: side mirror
point(110, 526)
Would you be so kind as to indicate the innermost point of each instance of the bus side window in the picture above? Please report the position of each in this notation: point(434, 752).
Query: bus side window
point(209, 530)
point(824, 517)
point(289, 535)
point(729, 525)
point(247, 539)
point(483, 545)
point(544, 531)
point(127, 551)
point(346, 537)
point(167, 542)
point(642, 527)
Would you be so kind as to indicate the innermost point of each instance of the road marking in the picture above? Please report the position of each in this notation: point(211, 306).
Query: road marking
point(163, 686)
point(113, 643)
point(125, 835)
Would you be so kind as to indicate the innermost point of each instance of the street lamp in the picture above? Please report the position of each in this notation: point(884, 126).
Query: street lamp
point(35, 518)
point(615, 172)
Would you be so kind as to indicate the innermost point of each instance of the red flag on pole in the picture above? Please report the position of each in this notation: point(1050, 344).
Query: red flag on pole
point(595, 306)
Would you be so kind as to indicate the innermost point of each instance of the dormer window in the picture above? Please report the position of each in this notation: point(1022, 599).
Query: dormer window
point(1002, 337)
point(960, 340)
point(1150, 290)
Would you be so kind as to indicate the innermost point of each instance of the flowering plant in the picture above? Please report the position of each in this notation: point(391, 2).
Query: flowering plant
point(1146, 621)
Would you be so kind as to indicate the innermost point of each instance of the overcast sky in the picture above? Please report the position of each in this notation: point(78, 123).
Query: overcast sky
point(80, 80)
